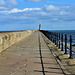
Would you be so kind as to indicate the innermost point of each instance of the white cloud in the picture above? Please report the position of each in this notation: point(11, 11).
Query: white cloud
point(35, 0)
point(42, 13)
point(50, 7)
point(64, 13)
point(3, 8)
point(49, 14)
point(16, 10)
point(7, 4)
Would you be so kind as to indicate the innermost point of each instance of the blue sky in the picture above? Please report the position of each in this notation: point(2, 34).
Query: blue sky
point(28, 14)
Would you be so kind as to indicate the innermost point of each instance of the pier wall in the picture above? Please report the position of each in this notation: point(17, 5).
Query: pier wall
point(9, 38)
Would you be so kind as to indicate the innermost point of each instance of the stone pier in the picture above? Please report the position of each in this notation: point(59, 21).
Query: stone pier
point(29, 56)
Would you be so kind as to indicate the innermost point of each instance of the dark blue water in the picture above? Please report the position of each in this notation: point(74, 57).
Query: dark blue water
point(68, 33)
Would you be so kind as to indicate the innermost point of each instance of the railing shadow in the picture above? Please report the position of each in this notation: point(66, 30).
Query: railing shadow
point(41, 54)
point(46, 69)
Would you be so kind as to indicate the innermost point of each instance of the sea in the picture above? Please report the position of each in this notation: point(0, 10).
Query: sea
point(67, 32)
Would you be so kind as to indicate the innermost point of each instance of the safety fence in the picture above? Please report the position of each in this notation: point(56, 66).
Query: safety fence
point(61, 41)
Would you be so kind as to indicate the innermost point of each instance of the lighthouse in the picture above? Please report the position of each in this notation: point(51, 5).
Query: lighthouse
point(40, 27)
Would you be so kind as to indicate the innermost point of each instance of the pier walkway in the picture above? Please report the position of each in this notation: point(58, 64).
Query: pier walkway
point(31, 56)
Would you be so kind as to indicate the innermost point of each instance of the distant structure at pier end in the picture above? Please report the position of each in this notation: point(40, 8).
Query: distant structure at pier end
point(39, 26)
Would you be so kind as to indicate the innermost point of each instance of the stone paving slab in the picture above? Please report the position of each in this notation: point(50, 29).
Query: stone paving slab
point(28, 58)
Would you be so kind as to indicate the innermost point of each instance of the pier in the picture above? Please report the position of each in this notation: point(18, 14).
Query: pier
point(30, 56)
point(35, 54)
point(27, 48)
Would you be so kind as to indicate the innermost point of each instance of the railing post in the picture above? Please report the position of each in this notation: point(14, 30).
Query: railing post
point(59, 40)
point(70, 47)
point(65, 44)
point(51, 37)
point(55, 39)
point(62, 42)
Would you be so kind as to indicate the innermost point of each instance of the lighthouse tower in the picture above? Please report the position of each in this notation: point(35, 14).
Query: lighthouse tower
point(40, 27)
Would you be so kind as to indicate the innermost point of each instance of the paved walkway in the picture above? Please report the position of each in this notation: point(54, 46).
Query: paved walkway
point(30, 56)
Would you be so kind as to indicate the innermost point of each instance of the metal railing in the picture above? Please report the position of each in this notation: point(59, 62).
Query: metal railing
point(61, 41)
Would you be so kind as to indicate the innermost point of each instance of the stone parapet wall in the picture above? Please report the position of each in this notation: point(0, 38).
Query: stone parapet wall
point(9, 38)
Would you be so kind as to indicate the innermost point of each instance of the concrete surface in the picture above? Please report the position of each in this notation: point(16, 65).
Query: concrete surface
point(9, 38)
point(31, 56)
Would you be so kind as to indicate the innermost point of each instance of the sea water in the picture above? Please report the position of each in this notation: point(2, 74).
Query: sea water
point(68, 33)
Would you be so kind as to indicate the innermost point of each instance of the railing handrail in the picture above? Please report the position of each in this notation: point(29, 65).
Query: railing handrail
point(58, 39)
